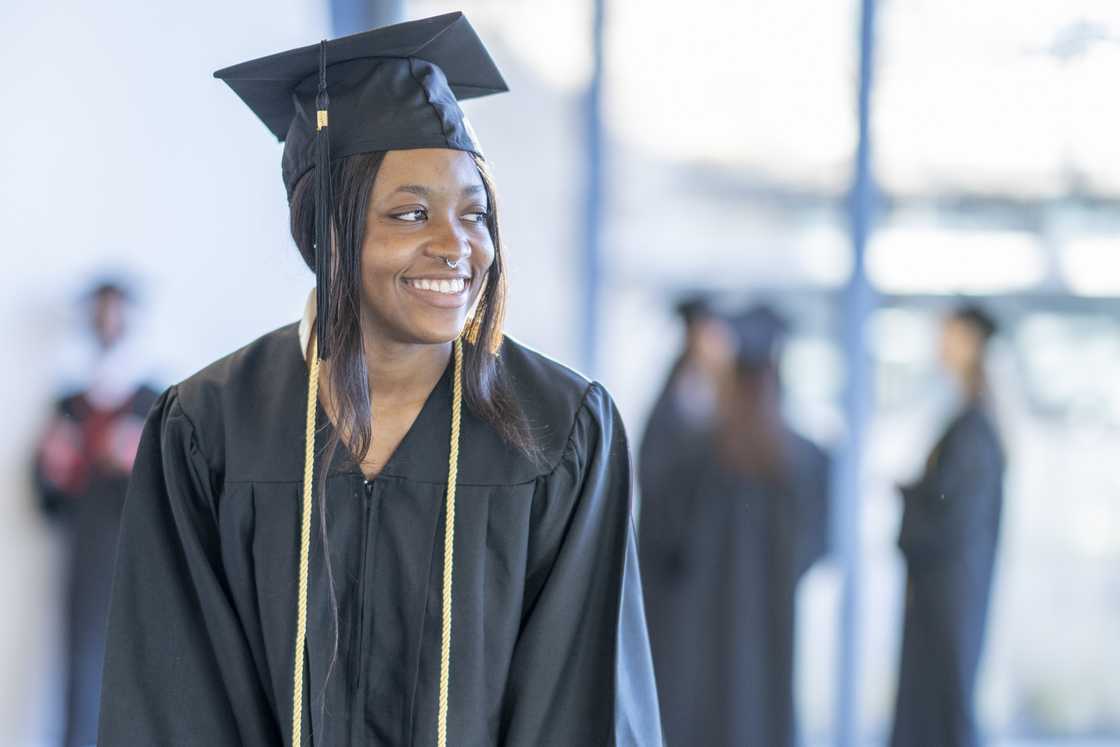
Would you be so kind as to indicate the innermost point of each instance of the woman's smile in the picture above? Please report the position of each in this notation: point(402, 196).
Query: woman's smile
point(447, 292)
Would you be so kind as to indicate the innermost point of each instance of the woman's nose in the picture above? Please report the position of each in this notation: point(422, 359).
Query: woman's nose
point(452, 244)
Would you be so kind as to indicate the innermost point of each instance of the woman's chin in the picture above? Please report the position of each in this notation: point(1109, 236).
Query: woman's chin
point(437, 334)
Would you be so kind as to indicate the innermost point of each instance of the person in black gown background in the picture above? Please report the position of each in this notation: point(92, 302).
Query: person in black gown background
point(686, 406)
point(81, 466)
point(724, 543)
point(456, 506)
point(949, 534)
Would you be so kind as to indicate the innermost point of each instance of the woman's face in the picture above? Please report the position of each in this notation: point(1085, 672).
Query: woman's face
point(427, 207)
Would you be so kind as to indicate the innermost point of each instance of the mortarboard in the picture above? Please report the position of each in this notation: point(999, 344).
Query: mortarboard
point(759, 333)
point(978, 318)
point(110, 284)
point(694, 307)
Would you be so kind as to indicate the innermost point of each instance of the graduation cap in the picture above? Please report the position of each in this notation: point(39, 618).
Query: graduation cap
point(978, 318)
point(109, 285)
point(759, 333)
point(390, 88)
point(694, 307)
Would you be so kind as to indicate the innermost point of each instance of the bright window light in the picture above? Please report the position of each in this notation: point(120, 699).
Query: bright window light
point(939, 260)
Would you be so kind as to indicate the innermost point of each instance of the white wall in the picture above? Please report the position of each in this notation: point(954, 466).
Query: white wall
point(119, 149)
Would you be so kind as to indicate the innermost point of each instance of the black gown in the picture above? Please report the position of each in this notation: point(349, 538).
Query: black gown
point(549, 642)
point(675, 439)
point(721, 556)
point(89, 516)
point(950, 528)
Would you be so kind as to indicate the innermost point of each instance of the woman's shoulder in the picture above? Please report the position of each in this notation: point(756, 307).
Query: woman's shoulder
point(247, 398)
point(974, 432)
point(533, 374)
point(554, 397)
point(265, 367)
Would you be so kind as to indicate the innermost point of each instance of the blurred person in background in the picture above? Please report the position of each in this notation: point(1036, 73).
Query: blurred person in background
point(82, 465)
point(387, 523)
point(686, 405)
point(948, 536)
point(723, 546)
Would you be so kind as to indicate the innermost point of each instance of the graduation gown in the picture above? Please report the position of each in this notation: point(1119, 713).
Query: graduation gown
point(721, 556)
point(949, 531)
point(548, 643)
point(675, 438)
point(86, 498)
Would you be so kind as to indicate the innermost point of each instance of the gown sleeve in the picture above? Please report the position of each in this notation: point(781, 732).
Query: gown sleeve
point(661, 441)
point(178, 669)
point(812, 521)
point(57, 462)
point(671, 455)
point(581, 670)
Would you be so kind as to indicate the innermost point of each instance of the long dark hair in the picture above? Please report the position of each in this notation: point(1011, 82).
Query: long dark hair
point(486, 391)
point(751, 436)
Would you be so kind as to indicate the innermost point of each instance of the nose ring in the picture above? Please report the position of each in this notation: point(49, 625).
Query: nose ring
point(450, 265)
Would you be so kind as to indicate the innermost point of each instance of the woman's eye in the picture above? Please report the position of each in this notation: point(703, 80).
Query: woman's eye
point(478, 216)
point(411, 216)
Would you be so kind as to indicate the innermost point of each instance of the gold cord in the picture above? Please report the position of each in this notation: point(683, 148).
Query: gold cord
point(305, 545)
point(449, 546)
point(305, 542)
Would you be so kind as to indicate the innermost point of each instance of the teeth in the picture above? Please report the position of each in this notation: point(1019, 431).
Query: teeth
point(449, 287)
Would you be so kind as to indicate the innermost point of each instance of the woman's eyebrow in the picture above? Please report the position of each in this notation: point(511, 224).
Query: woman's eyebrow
point(416, 189)
point(426, 192)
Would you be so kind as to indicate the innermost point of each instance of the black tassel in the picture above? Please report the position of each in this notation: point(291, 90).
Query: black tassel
point(324, 202)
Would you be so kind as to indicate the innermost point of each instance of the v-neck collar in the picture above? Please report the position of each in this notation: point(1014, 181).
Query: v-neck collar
point(423, 452)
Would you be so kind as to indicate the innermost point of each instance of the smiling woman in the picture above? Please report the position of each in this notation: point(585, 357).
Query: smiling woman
point(406, 222)
point(386, 524)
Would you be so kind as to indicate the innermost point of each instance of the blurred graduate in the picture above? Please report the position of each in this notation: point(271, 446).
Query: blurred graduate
point(82, 464)
point(685, 408)
point(949, 534)
point(388, 523)
point(723, 546)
